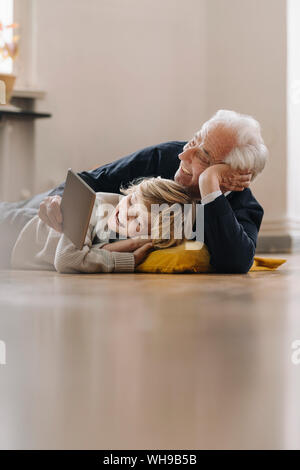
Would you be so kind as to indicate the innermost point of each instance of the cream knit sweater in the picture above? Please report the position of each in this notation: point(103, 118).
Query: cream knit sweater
point(40, 247)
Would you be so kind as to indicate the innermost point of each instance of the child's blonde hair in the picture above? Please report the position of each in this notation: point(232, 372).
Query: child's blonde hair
point(164, 191)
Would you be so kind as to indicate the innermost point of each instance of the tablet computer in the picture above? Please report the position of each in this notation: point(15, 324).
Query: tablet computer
point(77, 204)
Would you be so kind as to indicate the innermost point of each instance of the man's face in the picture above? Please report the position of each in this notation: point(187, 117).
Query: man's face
point(198, 155)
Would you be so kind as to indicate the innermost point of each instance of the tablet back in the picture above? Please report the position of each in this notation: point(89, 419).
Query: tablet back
point(76, 206)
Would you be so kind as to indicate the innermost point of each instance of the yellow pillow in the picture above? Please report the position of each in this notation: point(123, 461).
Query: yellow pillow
point(193, 257)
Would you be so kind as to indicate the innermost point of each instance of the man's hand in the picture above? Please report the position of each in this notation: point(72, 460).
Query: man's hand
point(50, 212)
point(138, 246)
point(223, 177)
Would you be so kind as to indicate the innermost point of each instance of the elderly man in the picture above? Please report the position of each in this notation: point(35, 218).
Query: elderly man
point(217, 165)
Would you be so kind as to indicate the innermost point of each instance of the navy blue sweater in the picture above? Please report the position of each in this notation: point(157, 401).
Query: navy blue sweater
point(231, 223)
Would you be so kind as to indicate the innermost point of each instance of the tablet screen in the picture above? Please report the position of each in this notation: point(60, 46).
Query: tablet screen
point(77, 204)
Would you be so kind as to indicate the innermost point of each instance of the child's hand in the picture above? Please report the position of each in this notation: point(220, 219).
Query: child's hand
point(138, 246)
point(127, 246)
point(50, 212)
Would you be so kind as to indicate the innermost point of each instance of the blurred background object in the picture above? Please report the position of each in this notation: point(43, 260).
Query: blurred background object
point(2, 92)
point(9, 46)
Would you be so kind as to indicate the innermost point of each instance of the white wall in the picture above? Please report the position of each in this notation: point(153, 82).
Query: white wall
point(293, 106)
point(119, 75)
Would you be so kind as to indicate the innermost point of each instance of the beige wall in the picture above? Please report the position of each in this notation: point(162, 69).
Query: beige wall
point(124, 74)
point(246, 67)
point(119, 75)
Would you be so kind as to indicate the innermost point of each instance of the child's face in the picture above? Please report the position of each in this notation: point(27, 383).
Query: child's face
point(130, 218)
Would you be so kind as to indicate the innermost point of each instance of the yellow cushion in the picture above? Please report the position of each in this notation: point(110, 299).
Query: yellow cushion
point(193, 257)
point(266, 264)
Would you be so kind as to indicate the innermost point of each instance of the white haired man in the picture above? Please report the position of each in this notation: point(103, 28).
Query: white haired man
point(217, 165)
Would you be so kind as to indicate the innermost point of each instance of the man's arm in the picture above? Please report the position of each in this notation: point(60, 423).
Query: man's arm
point(157, 160)
point(230, 228)
point(230, 231)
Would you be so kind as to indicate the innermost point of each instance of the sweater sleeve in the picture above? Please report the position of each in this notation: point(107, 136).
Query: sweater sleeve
point(231, 234)
point(69, 260)
point(91, 258)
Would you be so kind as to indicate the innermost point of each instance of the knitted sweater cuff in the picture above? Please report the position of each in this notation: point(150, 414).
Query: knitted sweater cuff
point(124, 262)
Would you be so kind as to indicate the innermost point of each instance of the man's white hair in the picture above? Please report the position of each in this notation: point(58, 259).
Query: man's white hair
point(251, 151)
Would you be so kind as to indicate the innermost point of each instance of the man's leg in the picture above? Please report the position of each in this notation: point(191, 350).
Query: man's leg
point(13, 217)
point(33, 202)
